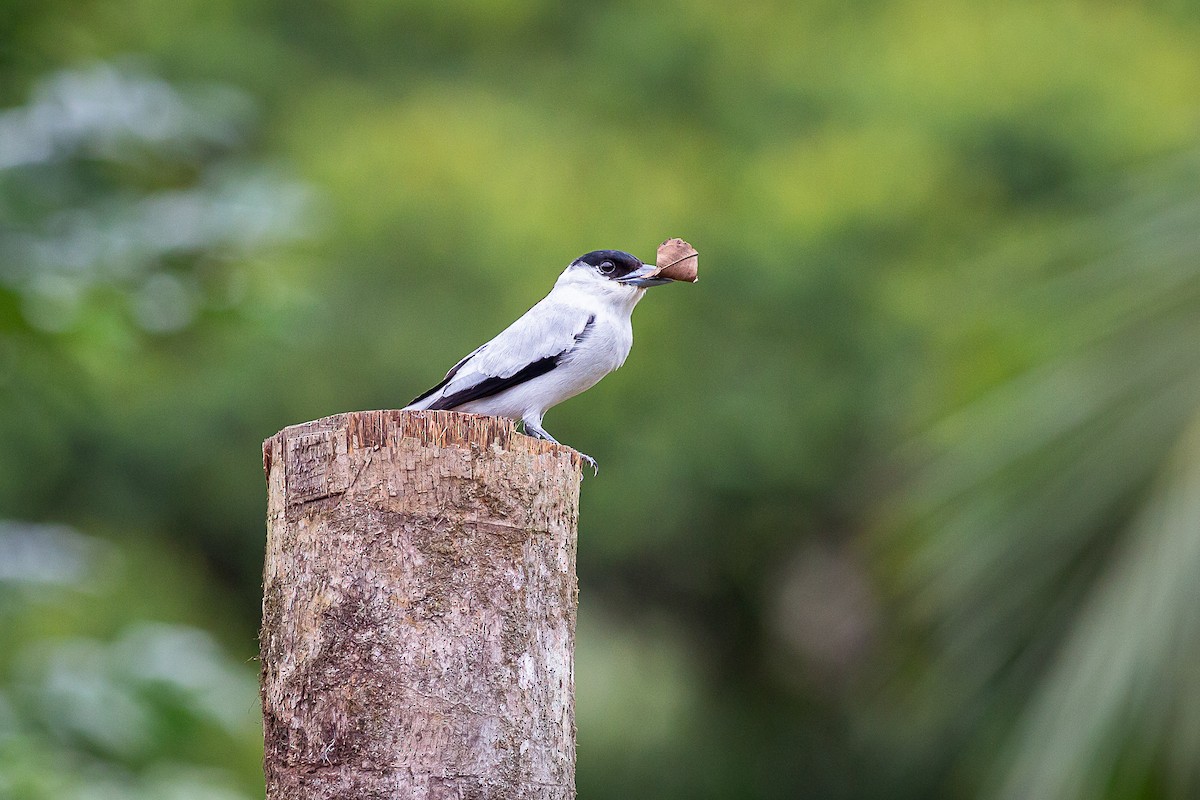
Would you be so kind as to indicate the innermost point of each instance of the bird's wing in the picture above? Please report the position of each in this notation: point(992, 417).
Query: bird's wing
point(533, 345)
point(449, 376)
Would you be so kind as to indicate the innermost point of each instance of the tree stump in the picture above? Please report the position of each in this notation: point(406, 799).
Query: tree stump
point(419, 600)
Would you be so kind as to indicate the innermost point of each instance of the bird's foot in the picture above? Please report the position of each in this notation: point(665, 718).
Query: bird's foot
point(537, 431)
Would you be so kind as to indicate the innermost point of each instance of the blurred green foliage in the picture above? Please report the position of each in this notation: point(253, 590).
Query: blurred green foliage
point(920, 447)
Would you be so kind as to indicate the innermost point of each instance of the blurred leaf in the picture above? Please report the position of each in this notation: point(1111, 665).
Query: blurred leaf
point(1035, 553)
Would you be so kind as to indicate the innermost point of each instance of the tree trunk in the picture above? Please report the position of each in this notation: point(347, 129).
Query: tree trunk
point(419, 600)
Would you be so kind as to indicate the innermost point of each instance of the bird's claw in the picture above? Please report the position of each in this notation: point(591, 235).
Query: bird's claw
point(591, 462)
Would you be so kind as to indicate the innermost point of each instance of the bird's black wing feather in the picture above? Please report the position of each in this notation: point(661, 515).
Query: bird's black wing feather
point(449, 375)
point(490, 386)
point(494, 385)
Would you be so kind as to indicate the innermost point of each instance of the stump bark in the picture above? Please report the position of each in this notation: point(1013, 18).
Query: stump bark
point(419, 600)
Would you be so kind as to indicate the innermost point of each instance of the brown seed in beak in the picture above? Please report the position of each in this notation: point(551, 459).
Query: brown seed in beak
point(677, 260)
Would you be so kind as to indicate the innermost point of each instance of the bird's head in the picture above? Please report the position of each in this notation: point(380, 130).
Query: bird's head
point(612, 272)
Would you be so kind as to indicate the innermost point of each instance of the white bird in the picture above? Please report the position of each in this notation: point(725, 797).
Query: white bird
point(562, 346)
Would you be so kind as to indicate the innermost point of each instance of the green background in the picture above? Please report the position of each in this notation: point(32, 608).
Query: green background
point(901, 500)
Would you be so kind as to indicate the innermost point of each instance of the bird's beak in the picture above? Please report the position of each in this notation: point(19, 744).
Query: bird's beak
point(641, 277)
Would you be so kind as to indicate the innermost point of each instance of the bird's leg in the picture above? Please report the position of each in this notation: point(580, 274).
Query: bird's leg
point(534, 428)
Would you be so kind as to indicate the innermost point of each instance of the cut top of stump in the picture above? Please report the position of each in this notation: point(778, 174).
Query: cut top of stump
point(385, 428)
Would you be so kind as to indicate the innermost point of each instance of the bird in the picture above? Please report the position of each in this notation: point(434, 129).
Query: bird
point(563, 345)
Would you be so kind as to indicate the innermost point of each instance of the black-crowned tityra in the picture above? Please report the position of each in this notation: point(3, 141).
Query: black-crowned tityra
point(562, 346)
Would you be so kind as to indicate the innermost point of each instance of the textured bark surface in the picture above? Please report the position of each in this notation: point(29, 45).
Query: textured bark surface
point(419, 600)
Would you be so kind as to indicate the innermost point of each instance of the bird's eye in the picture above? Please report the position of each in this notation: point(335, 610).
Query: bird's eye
point(607, 267)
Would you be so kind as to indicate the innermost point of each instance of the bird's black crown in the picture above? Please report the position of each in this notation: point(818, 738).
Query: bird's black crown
point(610, 263)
